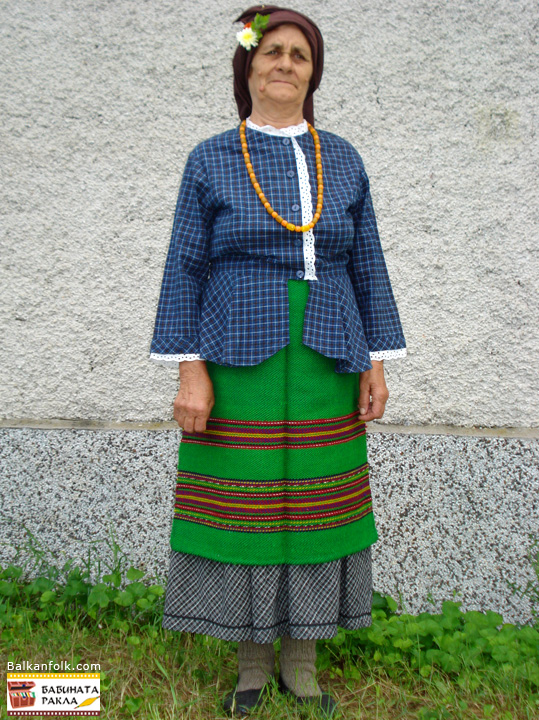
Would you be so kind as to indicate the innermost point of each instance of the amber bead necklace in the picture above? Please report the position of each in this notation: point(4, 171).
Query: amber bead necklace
point(263, 199)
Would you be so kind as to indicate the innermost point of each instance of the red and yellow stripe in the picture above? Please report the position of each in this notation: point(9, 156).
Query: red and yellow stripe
point(271, 506)
point(290, 434)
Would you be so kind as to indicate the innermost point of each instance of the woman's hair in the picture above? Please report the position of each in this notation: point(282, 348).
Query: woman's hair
point(243, 58)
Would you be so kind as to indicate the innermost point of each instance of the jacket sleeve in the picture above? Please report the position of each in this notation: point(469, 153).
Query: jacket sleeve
point(372, 287)
point(176, 330)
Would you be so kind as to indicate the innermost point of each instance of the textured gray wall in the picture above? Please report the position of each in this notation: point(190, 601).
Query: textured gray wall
point(101, 103)
point(453, 513)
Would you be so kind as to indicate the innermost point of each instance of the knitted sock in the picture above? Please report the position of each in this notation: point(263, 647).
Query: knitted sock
point(298, 669)
point(256, 663)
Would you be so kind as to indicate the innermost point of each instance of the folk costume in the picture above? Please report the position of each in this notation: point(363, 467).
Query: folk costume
point(273, 522)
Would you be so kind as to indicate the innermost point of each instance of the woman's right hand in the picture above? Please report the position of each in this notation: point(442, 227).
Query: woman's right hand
point(195, 398)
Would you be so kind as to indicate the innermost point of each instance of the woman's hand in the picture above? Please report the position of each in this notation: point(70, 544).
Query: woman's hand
point(373, 392)
point(195, 399)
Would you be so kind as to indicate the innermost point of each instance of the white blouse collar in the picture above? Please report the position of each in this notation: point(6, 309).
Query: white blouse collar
point(289, 131)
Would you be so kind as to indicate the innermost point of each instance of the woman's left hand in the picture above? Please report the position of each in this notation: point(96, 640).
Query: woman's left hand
point(373, 392)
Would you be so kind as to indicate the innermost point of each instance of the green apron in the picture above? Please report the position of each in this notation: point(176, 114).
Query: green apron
point(280, 475)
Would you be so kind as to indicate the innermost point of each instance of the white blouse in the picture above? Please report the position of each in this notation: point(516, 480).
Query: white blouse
point(309, 255)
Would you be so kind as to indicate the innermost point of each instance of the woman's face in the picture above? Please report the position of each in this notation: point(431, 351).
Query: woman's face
point(281, 68)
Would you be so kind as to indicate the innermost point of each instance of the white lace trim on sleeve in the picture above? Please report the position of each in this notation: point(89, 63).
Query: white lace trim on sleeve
point(388, 354)
point(169, 359)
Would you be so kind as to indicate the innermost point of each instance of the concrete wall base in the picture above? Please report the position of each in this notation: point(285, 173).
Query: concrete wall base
point(454, 513)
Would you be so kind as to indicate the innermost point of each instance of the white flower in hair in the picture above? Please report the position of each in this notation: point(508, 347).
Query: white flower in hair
point(247, 37)
point(251, 33)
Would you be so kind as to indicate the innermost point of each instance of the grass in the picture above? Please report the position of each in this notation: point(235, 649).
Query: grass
point(426, 667)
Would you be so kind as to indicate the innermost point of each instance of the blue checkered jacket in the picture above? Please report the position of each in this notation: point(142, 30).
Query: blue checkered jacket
point(224, 291)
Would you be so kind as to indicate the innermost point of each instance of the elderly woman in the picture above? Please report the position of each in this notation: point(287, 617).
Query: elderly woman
point(277, 305)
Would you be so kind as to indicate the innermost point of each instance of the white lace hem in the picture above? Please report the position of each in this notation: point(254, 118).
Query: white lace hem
point(173, 359)
point(182, 357)
point(388, 354)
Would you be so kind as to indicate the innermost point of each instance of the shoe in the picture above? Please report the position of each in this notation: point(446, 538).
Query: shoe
point(325, 702)
point(240, 703)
